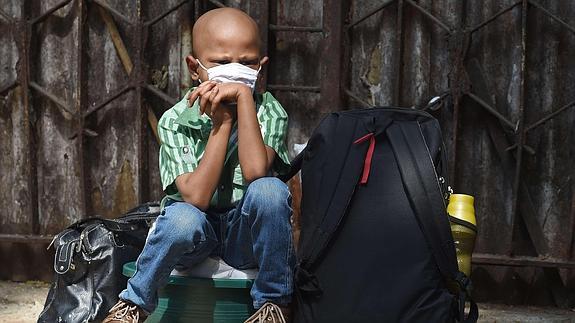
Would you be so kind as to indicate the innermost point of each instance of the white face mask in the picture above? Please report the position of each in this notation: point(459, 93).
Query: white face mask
point(233, 73)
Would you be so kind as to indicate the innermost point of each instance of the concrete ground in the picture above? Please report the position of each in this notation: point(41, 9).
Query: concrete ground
point(495, 313)
point(22, 302)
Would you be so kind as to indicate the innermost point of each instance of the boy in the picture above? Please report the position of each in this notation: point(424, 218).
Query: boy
point(218, 146)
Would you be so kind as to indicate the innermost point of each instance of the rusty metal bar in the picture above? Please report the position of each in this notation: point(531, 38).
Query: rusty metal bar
point(521, 122)
point(332, 57)
point(458, 43)
point(526, 147)
point(552, 16)
point(51, 97)
point(261, 10)
point(8, 87)
point(495, 16)
point(49, 12)
point(6, 17)
point(154, 90)
point(371, 13)
point(398, 54)
point(520, 261)
point(295, 28)
point(547, 117)
point(108, 100)
point(113, 11)
point(430, 16)
point(358, 99)
point(165, 13)
point(80, 102)
point(217, 3)
point(491, 110)
point(24, 33)
point(346, 41)
point(303, 88)
point(25, 238)
point(140, 74)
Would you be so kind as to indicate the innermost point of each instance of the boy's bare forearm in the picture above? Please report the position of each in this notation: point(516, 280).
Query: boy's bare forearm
point(198, 187)
point(251, 148)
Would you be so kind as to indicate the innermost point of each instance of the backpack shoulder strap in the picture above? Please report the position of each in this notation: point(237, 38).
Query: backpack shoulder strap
point(422, 187)
point(420, 181)
point(295, 167)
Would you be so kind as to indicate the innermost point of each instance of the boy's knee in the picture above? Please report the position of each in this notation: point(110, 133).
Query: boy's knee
point(271, 195)
point(269, 191)
point(185, 223)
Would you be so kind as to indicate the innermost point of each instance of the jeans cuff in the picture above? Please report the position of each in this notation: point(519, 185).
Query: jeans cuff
point(281, 302)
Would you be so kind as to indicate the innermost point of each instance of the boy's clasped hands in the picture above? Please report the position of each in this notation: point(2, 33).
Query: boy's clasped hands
point(218, 100)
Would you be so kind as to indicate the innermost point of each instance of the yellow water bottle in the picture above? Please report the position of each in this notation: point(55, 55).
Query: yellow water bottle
point(463, 228)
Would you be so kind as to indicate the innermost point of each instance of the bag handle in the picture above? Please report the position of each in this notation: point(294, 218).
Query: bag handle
point(125, 223)
point(424, 193)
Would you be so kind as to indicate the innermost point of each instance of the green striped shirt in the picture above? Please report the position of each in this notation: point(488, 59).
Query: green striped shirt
point(184, 134)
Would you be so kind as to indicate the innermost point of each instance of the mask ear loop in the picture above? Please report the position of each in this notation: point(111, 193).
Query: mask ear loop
point(202, 66)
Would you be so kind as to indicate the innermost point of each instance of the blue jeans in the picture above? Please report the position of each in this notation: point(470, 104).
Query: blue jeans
point(254, 234)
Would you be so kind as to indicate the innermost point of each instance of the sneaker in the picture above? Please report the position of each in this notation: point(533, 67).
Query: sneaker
point(270, 313)
point(124, 312)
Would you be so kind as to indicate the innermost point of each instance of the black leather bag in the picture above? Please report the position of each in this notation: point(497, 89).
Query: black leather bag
point(88, 264)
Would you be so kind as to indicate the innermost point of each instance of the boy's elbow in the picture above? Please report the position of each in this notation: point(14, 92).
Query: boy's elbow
point(197, 201)
point(251, 176)
point(254, 171)
point(194, 197)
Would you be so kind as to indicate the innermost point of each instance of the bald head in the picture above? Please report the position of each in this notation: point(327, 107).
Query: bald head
point(223, 36)
point(224, 23)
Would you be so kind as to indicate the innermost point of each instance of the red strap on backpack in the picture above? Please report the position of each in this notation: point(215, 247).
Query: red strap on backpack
point(368, 155)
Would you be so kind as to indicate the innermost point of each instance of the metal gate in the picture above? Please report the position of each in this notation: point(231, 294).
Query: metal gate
point(82, 83)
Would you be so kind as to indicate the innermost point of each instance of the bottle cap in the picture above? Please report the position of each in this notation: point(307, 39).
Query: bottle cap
point(461, 206)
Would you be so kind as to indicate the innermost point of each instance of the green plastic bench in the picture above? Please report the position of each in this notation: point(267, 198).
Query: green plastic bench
point(187, 299)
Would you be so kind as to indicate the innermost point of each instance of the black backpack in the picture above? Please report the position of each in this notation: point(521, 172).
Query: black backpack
point(88, 264)
point(376, 244)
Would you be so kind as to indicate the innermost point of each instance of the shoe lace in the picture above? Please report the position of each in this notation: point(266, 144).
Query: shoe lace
point(125, 312)
point(268, 313)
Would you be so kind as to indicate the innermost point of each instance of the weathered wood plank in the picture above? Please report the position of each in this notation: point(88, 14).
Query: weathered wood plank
point(58, 172)
point(113, 157)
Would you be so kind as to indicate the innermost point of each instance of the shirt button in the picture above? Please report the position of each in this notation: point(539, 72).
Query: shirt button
point(222, 187)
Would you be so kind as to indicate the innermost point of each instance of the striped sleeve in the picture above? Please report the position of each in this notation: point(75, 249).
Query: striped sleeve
point(177, 153)
point(274, 122)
